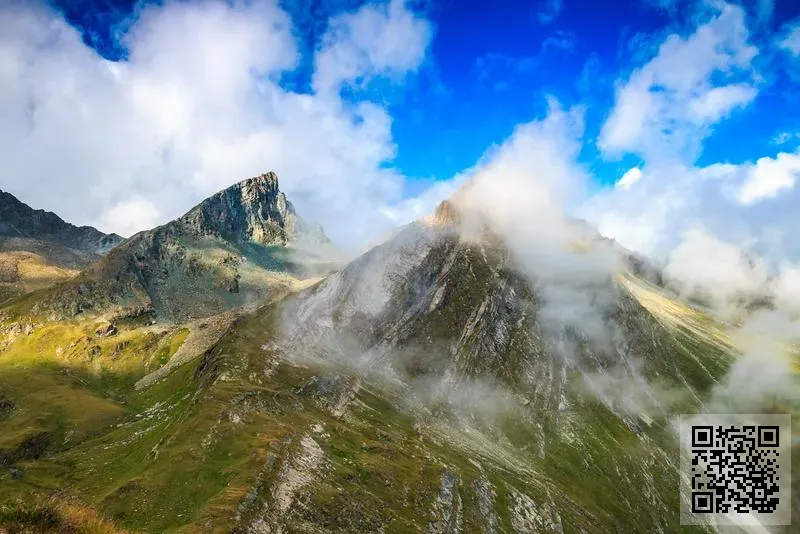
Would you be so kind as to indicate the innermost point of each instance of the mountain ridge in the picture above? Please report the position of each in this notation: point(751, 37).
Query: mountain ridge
point(231, 249)
point(18, 219)
point(39, 249)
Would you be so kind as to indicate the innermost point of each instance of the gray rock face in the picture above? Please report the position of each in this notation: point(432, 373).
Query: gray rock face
point(17, 219)
point(253, 210)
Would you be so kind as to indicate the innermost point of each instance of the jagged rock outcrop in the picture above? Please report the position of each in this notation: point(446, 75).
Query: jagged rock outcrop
point(235, 248)
point(253, 210)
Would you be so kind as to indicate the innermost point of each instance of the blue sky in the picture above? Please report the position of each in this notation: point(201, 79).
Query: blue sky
point(670, 126)
point(491, 63)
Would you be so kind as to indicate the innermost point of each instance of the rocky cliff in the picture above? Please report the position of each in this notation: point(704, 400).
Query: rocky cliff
point(251, 211)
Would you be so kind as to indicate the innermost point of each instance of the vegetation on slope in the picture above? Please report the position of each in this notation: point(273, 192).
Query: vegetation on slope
point(249, 436)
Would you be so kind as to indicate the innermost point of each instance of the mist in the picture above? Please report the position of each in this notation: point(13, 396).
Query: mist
point(764, 378)
point(522, 193)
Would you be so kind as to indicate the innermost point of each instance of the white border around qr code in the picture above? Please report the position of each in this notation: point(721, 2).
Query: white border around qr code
point(698, 445)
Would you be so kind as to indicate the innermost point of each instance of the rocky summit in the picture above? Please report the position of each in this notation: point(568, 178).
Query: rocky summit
point(252, 211)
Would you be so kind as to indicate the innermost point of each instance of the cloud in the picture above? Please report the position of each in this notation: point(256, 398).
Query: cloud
point(764, 374)
point(665, 108)
point(714, 104)
point(196, 107)
point(550, 9)
point(785, 287)
point(747, 202)
point(383, 40)
point(630, 177)
point(130, 216)
point(783, 138)
point(720, 271)
point(663, 112)
point(727, 266)
point(769, 177)
point(791, 38)
point(424, 203)
point(532, 172)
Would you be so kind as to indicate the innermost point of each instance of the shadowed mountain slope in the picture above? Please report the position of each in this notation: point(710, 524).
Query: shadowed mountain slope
point(38, 249)
point(17, 219)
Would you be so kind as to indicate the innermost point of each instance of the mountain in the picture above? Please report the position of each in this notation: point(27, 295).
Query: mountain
point(253, 210)
point(17, 219)
point(455, 378)
point(39, 249)
point(235, 248)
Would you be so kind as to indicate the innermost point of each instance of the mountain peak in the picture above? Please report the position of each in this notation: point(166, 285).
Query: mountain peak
point(269, 179)
point(251, 210)
point(18, 220)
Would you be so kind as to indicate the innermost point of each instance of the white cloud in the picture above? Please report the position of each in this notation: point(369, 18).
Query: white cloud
point(531, 176)
point(783, 138)
point(550, 9)
point(701, 263)
point(791, 40)
point(384, 40)
point(196, 108)
point(130, 216)
point(630, 177)
point(663, 112)
point(648, 218)
point(769, 177)
point(665, 107)
point(721, 271)
point(714, 104)
point(786, 287)
point(425, 203)
point(749, 202)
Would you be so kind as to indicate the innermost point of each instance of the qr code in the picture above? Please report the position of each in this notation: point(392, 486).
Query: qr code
point(736, 465)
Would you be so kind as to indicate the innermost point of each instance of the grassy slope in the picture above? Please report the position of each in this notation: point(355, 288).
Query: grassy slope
point(62, 384)
point(24, 272)
point(186, 453)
